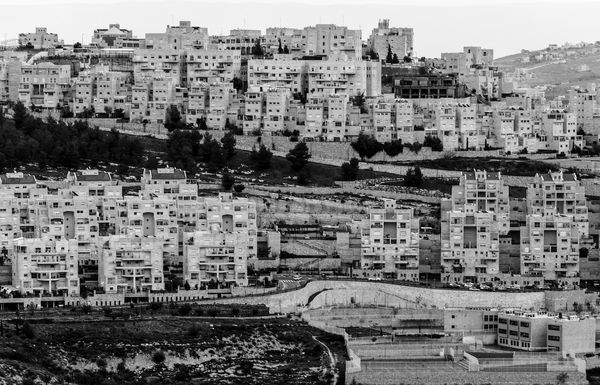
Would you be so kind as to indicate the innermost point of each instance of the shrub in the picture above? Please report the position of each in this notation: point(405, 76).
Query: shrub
point(28, 330)
point(184, 309)
point(158, 357)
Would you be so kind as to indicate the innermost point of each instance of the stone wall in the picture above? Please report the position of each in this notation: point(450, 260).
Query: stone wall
point(341, 293)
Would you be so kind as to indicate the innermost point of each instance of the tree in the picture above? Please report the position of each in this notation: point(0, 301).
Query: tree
point(359, 101)
point(286, 50)
point(257, 50)
point(77, 45)
point(350, 170)
point(414, 177)
point(158, 357)
point(280, 48)
point(28, 331)
point(19, 115)
point(238, 84)
point(227, 181)
point(395, 59)
point(434, 143)
point(562, 378)
point(201, 123)
point(238, 187)
point(407, 59)
point(261, 159)
point(394, 147)
point(228, 140)
point(389, 57)
point(366, 146)
point(298, 156)
point(173, 119)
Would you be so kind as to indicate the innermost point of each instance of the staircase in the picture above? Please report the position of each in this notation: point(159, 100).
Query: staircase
point(463, 364)
point(313, 247)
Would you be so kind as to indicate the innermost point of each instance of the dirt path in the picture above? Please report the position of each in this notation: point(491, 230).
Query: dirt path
point(332, 362)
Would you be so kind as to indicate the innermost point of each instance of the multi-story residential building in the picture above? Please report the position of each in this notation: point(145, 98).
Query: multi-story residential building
point(45, 266)
point(329, 39)
point(217, 257)
point(210, 65)
point(241, 40)
point(19, 183)
point(198, 102)
point(178, 37)
point(280, 72)
point(466, 128)
point(470, 248)
point(275, 111)
point(229, 215)
point(563, 193)
point(427, 86)
point(221, 96)
point(550, 248)
point(290, 38)
point(384, 37)
point(10, 77)
point(390, 243)
point(40, 39)
point(131, 264)
point(45, 85)
point(168, 62)
point(252, 120)
point(170, 182)
point(114, 36)
point(467, 61)
point(352, 77)
point(583, 103)
point(560, 129)
point(542, 331)
point(486, 192)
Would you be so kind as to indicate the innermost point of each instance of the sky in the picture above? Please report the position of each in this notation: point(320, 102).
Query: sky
point(507, 26)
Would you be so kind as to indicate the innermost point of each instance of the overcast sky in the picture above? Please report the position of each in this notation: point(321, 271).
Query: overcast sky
point(507, 26)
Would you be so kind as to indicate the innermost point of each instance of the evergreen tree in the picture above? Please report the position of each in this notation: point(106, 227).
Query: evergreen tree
point(414, 177)
point(389, 58)
point(350, 170)
point(286, 50)
point(261, 159)
point(227, 181)
point(228, 140)
point(395, 59)
point(280, 49)
point(298, 156)
point(19, 115)
point(257, 50)
point(173, 119)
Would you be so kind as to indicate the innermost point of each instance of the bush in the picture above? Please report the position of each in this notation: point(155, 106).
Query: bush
point(28, 330)
point(184, 309)
point(414, 177)
point(238, 187)
point(350, 170)
point(434, 143)
point(393, 148)
point(366, 146)
point(158, 357)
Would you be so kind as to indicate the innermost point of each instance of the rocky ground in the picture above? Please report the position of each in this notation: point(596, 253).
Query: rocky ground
point(171, 350)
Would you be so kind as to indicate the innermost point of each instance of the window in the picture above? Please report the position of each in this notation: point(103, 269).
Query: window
point(553, 338)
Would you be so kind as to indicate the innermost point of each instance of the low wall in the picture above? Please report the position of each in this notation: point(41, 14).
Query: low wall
point(343, 291)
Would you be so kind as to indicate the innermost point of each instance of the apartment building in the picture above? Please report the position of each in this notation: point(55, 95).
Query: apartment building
point(252, 120)
point(467, 131)
point(329, 39)
point(275, 110)
point(114, 36)
point(178, 37)
point(131, 264)
point(550, 249)
point(45, 85)
point(542, 331)
point(352, 77)
point(290, 38)
point(242, 40)
point(584, 104)
point(467, 61)
point(10, 77)
point(40, 39)
point(280, 72)
point(561, 193)
point(197, 103)
point(45, 266)
point(221, 97)
point(169, 63)
point(20, 184)
point(384, 37)
point(10, 222)
point(169, 182)
point(210, 65)
point(217, 257)
point(560, 130)
point(486, 192)
point(390, 243)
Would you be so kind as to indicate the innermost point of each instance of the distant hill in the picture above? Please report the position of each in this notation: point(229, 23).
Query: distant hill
point(559, 69)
